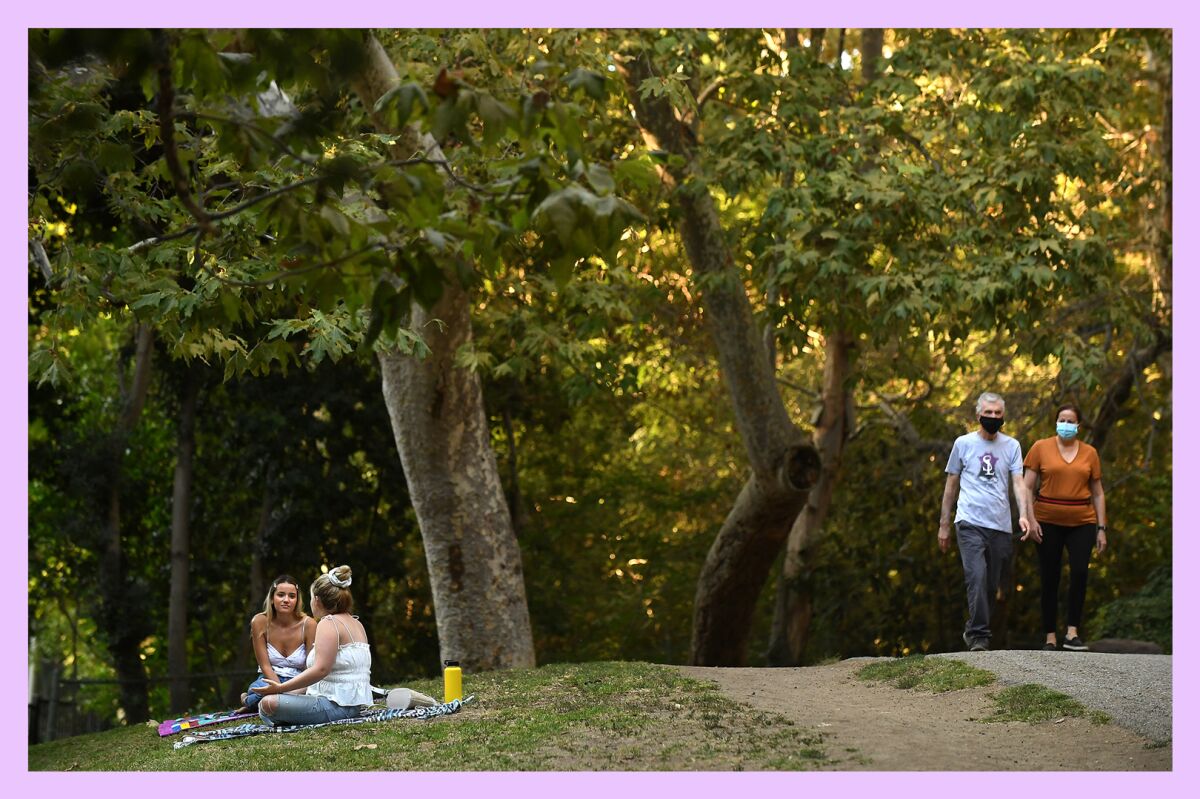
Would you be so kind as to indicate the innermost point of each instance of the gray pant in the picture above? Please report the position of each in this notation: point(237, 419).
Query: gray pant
point(305, 709)
point(984, 552)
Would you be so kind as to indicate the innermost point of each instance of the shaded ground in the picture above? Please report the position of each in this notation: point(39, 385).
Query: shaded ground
point(877, 727)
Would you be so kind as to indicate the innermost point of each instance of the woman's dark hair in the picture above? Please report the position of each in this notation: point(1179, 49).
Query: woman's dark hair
point(1069, 406)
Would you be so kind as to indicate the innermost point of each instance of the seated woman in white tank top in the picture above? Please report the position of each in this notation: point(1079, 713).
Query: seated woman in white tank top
point(337, 681)
point(282, 635)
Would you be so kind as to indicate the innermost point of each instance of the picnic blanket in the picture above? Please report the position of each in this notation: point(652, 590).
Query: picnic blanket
point(172, 726)
point(369, 715)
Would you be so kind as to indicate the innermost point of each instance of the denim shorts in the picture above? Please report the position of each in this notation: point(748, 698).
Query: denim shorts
point(306, 709)
point(252, 699)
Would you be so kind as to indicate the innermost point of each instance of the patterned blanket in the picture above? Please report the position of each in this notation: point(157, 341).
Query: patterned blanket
point(369, 715)
point(172, 726)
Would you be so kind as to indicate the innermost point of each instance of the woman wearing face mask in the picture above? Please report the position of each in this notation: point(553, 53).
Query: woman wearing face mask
point(1069, 508)
point(282, 636)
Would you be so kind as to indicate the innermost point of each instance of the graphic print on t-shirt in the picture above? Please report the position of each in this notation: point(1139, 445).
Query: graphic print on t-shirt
point(987, 466)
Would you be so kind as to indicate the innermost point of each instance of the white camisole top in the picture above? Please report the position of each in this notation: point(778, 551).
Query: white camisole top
point(349, 682)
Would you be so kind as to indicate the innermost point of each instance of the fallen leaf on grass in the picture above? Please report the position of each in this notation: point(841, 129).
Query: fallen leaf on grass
point(366, 746)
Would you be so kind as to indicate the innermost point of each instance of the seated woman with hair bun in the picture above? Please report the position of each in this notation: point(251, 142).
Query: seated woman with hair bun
point(337, 682)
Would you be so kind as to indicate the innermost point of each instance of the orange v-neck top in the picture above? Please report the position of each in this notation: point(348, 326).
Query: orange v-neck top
point(1065, 496)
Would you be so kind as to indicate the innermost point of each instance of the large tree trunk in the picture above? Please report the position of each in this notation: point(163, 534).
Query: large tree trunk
point(122, 616)
point(181, 507)
point(783, 465)
point(794, 593)
point(443, 436)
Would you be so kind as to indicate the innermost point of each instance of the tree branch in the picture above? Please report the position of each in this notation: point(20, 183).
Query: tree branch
point(37, 255)
point(166, 123)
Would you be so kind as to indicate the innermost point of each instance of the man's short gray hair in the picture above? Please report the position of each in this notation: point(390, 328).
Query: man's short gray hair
point(988, 396)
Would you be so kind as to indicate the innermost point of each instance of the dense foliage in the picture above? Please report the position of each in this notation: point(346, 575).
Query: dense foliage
point(990, 211)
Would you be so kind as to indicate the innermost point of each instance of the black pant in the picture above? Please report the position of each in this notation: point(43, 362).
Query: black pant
point(1079, 541)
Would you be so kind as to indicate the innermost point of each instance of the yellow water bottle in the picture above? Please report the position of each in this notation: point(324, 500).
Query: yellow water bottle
point(452, 677)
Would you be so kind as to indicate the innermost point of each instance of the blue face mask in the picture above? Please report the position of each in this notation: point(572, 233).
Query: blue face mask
point(1068, 430)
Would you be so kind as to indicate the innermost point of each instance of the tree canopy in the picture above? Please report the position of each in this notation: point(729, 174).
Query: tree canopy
point(689, 287)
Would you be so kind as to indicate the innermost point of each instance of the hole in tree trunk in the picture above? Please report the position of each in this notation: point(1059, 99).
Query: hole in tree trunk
point(803, 468)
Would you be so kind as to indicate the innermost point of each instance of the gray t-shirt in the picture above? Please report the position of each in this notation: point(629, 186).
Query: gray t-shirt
point(985, 468)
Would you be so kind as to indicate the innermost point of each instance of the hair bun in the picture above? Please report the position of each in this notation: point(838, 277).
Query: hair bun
point(340, 576)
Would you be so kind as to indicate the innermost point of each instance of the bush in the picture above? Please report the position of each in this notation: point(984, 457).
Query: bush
point(1144, 616)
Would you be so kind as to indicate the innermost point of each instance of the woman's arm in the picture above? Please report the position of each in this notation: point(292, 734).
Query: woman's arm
point(258, 637)
point(327, 646)
point(310, 633)
point(1101, 513)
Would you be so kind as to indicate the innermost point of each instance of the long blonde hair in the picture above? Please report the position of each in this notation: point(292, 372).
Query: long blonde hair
point(269, 606)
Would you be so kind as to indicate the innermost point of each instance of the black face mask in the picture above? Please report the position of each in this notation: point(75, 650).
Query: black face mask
point(991, 424)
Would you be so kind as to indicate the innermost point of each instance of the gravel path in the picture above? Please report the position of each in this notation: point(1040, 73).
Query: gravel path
point(1134, 689)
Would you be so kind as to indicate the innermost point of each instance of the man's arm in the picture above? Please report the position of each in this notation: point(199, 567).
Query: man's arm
point(1023, 490)
point(949, 501)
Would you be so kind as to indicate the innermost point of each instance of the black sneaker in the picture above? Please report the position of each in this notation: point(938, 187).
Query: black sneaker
point(1075, 645)
point(979, 645)
point(1049, 646)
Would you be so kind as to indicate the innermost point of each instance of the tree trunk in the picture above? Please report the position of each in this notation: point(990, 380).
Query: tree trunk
point(794, 593)
point(443, 436)
point(258, 586)
point(782, 465)
point(181, 507)
point(122, 617)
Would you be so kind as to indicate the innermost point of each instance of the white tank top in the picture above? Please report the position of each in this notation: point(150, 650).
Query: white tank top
point(349, 681)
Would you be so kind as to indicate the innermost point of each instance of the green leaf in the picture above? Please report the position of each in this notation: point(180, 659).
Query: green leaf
point(399, 101)
point(593, 83)
point(601, 179)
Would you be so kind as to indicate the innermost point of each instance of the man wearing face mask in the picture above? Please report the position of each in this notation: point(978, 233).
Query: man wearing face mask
point(982, 465)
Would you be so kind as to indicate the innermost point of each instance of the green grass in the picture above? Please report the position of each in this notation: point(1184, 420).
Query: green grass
point(1027, 703)
point(927, 674)
point(1036, 703)
point(588, 716)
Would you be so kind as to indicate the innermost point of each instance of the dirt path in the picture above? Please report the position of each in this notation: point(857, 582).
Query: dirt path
point(876, 727)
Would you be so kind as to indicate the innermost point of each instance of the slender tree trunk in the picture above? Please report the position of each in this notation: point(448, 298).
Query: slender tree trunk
point(443, 436)
point(122, 618)
point(181, 508)
point(257, 589)
point(515, 509)
point(794, 593)
point(794, 600)
point(783, 466)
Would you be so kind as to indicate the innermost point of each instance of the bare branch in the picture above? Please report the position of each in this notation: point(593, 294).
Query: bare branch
point(166, 123)
point(707, 91)
point(37, 255)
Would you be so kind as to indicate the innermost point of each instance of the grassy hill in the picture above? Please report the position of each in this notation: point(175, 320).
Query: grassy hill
point(589, 716)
